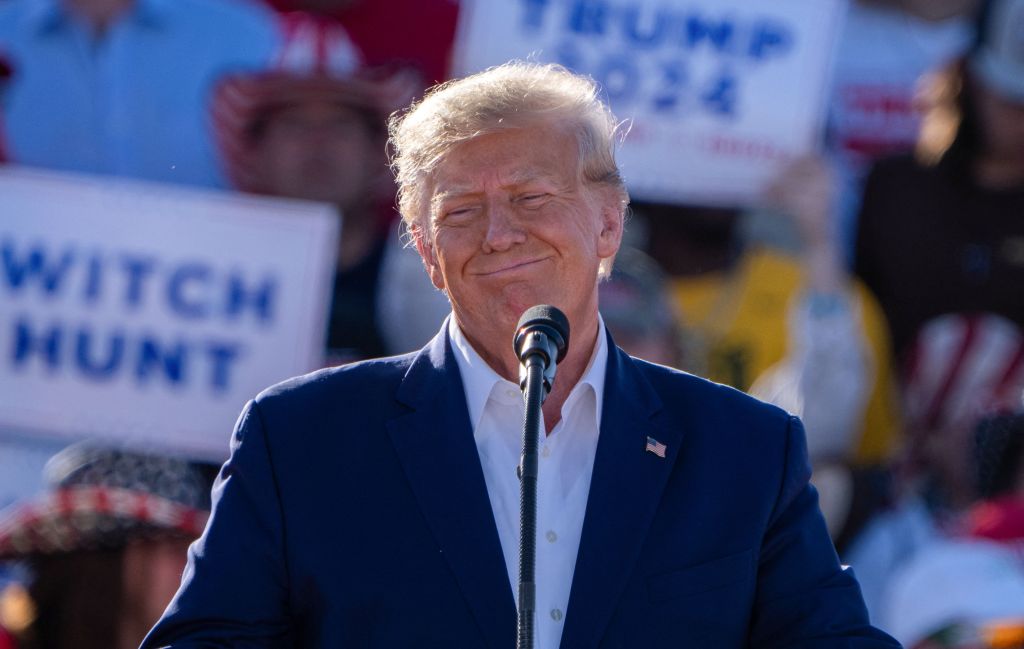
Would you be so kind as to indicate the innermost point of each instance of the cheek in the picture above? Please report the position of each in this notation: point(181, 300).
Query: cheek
point(436, 275)
point(441, 260)
point(456, 245)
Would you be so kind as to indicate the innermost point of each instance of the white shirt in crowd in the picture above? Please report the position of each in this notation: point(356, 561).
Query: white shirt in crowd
point(566, 464)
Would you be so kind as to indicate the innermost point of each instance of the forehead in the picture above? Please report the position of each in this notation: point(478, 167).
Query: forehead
point(508, 158)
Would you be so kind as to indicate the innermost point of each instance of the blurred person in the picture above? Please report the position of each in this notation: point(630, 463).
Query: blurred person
point(765, 301)
point(417, 34)
point(314, 127)
point(885, 50)
point(832, 376)
point(968, 591)
point(962, 368)
point(825, 377)
point(378, 501)
point(942, 232)
point(958, 594)
point(122, 87)
point(768, 307)
point(940, 243)
point(105, 546)
point(637, 309)
point(999, 471)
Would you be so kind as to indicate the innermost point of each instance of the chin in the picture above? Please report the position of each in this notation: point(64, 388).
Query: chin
point(518, 302)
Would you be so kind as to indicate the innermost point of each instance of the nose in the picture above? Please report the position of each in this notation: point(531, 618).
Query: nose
point(503, 227)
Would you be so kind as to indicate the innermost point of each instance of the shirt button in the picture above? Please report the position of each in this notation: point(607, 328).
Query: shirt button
point(546, 451)
point(556, 614)
point(511, 394)
point(551, 536)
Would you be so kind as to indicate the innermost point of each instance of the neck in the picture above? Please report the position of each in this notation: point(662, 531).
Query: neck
point(583, 334)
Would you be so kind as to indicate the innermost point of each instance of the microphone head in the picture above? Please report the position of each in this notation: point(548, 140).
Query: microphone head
point(551, 320)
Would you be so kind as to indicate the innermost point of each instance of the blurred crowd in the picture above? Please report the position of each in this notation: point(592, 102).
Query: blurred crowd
point(877, 289)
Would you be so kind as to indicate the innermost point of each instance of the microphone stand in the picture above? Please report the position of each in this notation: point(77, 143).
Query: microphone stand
point(534, 393)
point(541, 341)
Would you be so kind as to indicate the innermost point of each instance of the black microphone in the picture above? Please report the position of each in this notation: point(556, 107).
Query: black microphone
point(543, 331)
point(540, 343)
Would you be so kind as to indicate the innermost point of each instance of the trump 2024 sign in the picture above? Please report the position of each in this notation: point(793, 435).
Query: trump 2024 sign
point(146, 314)
point(719, 93)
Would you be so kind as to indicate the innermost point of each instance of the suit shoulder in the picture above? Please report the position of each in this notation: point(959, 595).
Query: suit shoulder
point(354, 381)
point(682, 391)
point(730, 431)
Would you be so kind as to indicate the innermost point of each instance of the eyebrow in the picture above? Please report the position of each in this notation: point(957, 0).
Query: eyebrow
point(453, 194)
point(457, 191)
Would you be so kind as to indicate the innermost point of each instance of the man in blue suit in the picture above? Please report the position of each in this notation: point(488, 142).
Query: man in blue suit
point(376, 504)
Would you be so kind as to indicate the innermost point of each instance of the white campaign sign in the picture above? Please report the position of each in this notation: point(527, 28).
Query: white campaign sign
point(149, 314)
point(719, 93)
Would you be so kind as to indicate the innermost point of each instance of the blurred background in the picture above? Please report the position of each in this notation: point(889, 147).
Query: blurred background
point(195, 202)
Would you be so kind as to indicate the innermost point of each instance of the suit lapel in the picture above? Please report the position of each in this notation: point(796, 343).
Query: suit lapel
point(624, 494)
point(436, 448)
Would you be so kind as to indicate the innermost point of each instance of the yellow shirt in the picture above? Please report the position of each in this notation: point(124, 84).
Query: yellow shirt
point(737, 327)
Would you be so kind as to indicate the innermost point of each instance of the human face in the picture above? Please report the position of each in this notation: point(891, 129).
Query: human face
point(320, 151)
point(512, 224)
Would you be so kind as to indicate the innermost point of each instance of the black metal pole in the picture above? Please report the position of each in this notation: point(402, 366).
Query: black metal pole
point(533, 424)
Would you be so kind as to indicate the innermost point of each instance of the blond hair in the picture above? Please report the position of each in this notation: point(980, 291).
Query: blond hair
point(514, 95)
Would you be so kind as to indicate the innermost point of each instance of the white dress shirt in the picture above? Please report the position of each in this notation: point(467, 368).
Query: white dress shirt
point(496, 412)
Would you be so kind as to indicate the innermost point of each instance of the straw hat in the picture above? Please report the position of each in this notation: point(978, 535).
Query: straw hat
point(100, 498)
point(318, 61)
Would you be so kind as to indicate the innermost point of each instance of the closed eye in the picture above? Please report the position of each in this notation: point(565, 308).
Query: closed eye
point(459, 214)
point(533, 200)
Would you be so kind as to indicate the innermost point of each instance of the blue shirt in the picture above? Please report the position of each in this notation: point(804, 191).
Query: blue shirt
point(134, 102)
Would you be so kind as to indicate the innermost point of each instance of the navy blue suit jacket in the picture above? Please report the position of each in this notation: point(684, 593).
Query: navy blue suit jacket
point(353, 513)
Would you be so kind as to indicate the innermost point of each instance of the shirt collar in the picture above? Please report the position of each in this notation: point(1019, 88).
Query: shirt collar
point(480, 382)
point(46, 15)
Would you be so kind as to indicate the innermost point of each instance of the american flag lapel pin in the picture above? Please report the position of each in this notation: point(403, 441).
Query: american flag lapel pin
point(656, 447)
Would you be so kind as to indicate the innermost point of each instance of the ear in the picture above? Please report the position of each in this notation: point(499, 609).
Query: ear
point(426, 250)
point(612, 225)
